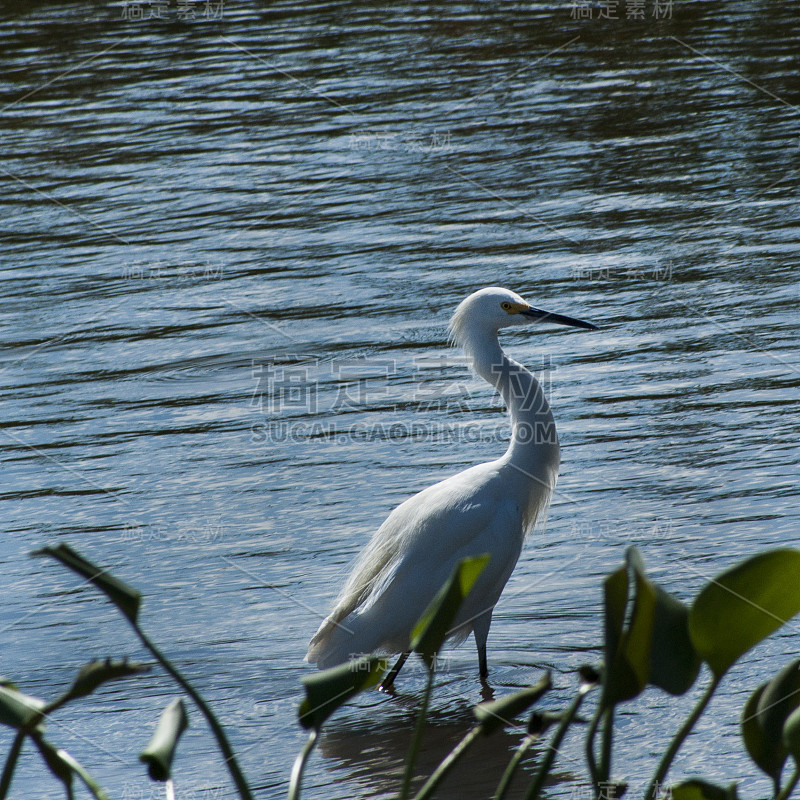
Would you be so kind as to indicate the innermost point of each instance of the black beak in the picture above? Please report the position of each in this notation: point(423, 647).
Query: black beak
point(558, 319)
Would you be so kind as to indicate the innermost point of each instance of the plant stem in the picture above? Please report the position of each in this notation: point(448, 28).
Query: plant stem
point(448, 763)
point(789, 788)
point(516, 759)
point(552, 748)
point(415, 742)
point(219, 733)
point(11, 763)
point(604, 773)
point(300, 764)
point(678, 739)
point(590, 759)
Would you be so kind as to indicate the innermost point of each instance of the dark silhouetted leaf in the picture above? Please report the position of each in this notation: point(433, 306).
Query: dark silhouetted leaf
point(17, 709)
point(160, 750)
point(331, 688)
point(124, 597)
point(674, 664)
point(753, 735)
point(764, 716)
point(540, 721)
point(96, 673)
point(91, 784)
point(55, 763)
point(63, 766)
point(697, 789)
point(589, 674)
point(615, 594)
point(628, 669)
point(791, 734)
point(744, 605)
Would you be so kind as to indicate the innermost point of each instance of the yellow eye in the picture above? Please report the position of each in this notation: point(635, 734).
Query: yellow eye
point(506, 306)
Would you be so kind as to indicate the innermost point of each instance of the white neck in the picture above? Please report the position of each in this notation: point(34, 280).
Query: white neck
point(534, 442)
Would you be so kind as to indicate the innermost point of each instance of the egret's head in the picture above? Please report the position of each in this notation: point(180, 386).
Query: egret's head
point(488, 310)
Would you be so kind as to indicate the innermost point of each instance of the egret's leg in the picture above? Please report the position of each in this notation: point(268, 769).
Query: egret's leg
point(482, 667)
point(388, 681)
point(480, 629)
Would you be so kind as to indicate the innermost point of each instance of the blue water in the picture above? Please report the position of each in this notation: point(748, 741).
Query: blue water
point(230, 247)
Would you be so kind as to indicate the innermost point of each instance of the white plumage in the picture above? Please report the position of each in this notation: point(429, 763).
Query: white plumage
point(488, 508)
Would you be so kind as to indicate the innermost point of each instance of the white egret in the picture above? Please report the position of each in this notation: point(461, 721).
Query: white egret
point(488, 508)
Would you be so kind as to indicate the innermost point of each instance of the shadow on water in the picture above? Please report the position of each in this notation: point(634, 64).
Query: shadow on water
point(366, 745)
point(373, 757)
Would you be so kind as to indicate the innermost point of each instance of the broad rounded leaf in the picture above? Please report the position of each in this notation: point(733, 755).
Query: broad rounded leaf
point(674, 664)
point(628, 650)
point(615, 601)
point(764, 716)
point(791, 734)
point(639, 635)
point(497, 714)
point(160, 750)
point(436, 621)
point(615, 597)
point(331, 688)
point(753, 735)
point(697, 789)
point(743, 605)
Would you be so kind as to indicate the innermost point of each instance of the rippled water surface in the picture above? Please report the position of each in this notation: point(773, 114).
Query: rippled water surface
point(230, 246)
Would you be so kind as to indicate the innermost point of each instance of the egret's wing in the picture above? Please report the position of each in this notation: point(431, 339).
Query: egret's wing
point(412, 554)
point(490, 526)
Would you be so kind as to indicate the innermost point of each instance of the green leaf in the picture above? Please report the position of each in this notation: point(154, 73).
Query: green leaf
point(63, 766)
point(96, 673)
point(743, 605)
point(434, 625)
point(674, 664)
point(160, 751)
point(91, 784)
point(124, 597)
point(628, 669)
point(497, 714)
point(791, 734)
point(615, 594)
point(331, 688)
point(636, 647)
point(764, 716)
point(60, 768)
point(540, 721)
point(653, 645)
point(19, 710)
point(697, 789)
point(753, 735)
